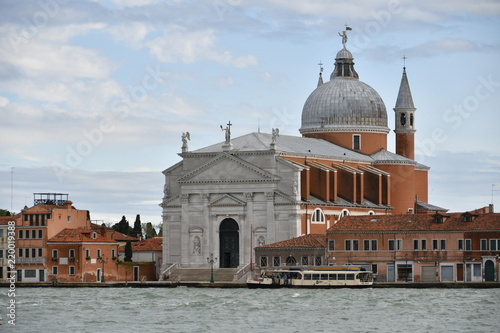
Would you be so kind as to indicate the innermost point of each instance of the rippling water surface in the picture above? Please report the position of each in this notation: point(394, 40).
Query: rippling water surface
point(242, 310)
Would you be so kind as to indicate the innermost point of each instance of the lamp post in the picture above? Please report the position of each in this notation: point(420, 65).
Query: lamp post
point(211, 260)
point(103, 261)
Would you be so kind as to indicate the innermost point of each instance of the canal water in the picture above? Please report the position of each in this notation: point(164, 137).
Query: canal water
point(185, 309)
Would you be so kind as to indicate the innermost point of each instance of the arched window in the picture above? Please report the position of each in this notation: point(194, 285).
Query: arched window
point(345, 212)
point(318, 216)
point(290, 261)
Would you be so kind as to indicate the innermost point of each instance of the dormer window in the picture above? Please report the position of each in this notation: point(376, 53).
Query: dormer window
point(439, 219)
point(318, 216)
point(94, 235)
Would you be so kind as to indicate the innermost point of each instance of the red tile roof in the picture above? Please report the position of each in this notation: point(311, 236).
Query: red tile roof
point(80, 235)
point(310, 241)
point(451, 222)
point(151, 244)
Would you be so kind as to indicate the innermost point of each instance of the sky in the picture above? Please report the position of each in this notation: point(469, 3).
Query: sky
point(95, 95)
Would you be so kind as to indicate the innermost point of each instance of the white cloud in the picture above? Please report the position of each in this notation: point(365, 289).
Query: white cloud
point(131, 33)
point(180, 45)
point(4, 101)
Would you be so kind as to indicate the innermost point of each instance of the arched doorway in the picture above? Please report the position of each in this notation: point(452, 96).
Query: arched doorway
point(489, 271)
point(229, 242)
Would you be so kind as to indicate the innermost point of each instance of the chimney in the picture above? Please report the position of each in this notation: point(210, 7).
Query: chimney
point(491, 208)
point(103, 230)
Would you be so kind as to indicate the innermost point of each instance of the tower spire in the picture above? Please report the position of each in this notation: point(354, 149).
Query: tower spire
point(320, 79)
point(405, 119)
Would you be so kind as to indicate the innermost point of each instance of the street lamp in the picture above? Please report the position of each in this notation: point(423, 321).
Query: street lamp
point(211, 260)
point(103, 261)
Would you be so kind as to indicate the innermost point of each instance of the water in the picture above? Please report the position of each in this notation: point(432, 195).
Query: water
point(242, 310)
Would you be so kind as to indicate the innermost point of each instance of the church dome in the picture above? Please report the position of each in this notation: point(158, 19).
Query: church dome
point(344, 104)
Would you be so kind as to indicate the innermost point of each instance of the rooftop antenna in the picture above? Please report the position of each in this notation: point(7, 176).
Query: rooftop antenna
point(493, 190)
point(11, 189)
point(404, 62)
point(258, 124)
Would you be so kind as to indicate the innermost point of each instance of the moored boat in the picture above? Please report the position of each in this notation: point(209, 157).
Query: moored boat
point(313, 277)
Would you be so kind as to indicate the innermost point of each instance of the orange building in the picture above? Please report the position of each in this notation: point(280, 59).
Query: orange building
point(82, 255)
point(452, 247)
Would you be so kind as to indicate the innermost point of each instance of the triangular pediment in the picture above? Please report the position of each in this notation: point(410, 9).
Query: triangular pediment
point(282, 199)
point(226, 168)
point(172, 202)
point(227, 200)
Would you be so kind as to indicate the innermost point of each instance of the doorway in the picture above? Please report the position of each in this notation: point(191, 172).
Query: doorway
point(489, 270)
point(229, 240)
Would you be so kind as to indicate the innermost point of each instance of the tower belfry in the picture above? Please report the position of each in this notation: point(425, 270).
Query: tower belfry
point(405, 120)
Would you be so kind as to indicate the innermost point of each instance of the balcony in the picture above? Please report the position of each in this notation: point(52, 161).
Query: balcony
point(30, 261)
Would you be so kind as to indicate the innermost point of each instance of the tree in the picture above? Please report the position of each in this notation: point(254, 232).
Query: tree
point(128, 251)
point(149, 230)
point(5, 212)
point(123, 226)
point(160, 230)
point(137, 231)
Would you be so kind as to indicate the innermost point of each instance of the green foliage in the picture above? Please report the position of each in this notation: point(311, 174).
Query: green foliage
point(123, 227)
point(160, 230)
point(137, 231)
point(149, 231)
point(5, 212)
point(128, 251)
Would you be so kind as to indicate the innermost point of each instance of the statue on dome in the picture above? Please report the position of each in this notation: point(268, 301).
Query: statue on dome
point(344, 35)
point(228, 132)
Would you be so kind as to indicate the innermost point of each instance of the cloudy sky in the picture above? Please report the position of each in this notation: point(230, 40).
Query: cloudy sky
point(94, 95)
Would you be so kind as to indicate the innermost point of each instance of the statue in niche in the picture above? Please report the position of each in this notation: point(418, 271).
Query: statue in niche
point(295, 187)
point(196, 245)
point(165, 190)
point(261, 241)
point(275, 134)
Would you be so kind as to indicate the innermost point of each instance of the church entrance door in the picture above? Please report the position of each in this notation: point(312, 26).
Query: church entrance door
point(229, 241)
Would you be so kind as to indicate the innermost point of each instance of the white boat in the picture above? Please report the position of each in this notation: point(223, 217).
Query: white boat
point(313, 277)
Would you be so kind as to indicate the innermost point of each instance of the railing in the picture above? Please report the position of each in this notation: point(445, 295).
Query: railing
point(241, 272)
point(168, 271)
point(29, 261)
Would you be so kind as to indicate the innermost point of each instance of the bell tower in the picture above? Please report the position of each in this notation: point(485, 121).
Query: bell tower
point(405, 120)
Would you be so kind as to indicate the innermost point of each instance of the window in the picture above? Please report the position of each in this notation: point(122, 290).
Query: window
point(54, 270)
point(71, 253)
point(69, 218)
point(305, 261)
point(395, 245)
point(87, 253)
point(33, 253)
point(40, 234)
point(484, 245)
point(291, 261)
point(40, 252)
point(374, 268)
point(374, 245)
point(33, 233)
point(54, 254)
point(27, 253)
point(494, 244)
point(317, 261)
point(113, 253)
point(345, 212)
point(1, 256)
point(415, 245)
point(356, 142)
point(27, 234)
point(263, 261)
point(355, 245)
point(71, 270)
point(276, 261)
point(30, 273)
point(443, 244)
point(348, 245)
point(435, 245)
point(366, 245)
point(460, 246)
point(318, 216)
point(331, 245)
point(98, 253)
point(21, 233)
point(20, 252)
point(424, 245)
point(468, 245)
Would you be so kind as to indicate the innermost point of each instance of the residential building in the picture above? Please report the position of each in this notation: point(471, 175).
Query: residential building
point(452, 247)
point(146, 251)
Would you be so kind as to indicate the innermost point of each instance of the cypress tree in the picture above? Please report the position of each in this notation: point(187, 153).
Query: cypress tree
point(128, 251)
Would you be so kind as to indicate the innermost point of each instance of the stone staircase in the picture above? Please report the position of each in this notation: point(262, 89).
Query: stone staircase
point(202, 274)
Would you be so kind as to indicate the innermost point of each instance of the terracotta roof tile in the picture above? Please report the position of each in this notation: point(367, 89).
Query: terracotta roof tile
point(306, 241)
point(451, 222)
point(80, 235)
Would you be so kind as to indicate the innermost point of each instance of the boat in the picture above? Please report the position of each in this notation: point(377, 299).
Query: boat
point(348, 276)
